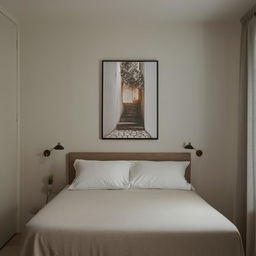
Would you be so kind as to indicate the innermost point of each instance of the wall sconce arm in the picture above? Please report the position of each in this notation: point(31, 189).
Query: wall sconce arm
point(47, 152)
point(189, 146)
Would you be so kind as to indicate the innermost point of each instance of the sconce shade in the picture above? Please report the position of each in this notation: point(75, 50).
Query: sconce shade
point(59, 147)
point(188, 146)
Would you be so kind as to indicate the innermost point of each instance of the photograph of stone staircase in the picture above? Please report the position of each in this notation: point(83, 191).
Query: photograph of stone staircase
point(130, 100)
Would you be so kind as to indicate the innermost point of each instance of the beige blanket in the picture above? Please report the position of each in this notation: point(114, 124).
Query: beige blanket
point(130, 223)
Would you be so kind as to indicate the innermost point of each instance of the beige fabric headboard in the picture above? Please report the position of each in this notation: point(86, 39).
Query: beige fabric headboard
point(166, 156)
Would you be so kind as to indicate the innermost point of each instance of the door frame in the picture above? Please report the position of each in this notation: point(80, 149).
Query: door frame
point(11, 18)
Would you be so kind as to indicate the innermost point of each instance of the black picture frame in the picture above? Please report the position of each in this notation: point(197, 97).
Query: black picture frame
point(136, 130)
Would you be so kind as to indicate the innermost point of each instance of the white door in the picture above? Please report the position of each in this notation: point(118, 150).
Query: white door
point(8, 129)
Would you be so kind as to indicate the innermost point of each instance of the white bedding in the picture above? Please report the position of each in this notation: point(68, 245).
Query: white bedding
point(130, 223)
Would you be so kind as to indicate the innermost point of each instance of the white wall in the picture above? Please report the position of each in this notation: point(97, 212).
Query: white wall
point(150, 98)
point(198, 84)
point(113, 105)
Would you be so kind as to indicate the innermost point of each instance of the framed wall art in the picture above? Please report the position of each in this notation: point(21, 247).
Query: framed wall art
point(130, 99)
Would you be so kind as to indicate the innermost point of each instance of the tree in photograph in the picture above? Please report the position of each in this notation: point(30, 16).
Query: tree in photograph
point(132, 75)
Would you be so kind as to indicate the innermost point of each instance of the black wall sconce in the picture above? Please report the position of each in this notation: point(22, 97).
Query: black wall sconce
point(189, 146)
point(47, 152)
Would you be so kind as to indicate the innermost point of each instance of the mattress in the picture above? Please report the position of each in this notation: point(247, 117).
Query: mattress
point(130, 223)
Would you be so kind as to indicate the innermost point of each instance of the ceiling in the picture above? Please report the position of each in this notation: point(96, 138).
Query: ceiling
point(129, 10)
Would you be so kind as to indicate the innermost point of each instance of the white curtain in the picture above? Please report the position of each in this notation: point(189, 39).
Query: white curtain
point(251, 141)
point(245, 200)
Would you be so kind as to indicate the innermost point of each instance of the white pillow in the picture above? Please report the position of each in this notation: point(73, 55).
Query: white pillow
point(162, 175)
point(101, 175)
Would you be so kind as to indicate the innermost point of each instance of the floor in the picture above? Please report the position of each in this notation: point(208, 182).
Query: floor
point(130, 134)
point(12, 248)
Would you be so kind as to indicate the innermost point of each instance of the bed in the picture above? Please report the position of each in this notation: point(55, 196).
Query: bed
point(130, 222)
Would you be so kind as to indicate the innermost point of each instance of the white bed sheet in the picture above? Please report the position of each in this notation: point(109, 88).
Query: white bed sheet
point(130, 223)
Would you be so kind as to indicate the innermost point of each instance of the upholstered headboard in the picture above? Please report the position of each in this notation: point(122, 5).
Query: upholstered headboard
point(166, 156)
